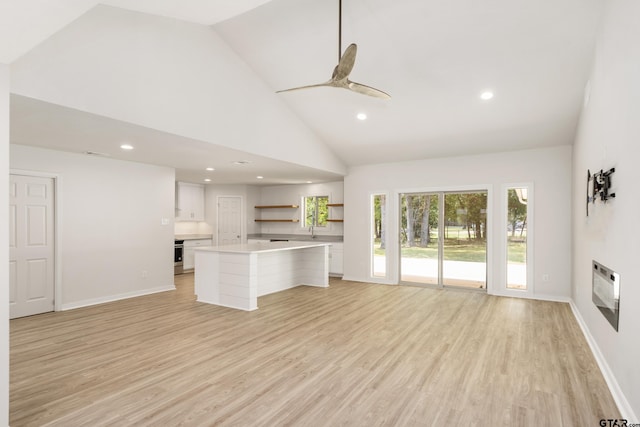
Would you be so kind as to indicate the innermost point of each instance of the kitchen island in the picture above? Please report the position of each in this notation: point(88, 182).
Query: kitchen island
point(236, 275)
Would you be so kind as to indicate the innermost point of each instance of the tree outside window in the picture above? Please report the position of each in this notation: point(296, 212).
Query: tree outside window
point(316, 211)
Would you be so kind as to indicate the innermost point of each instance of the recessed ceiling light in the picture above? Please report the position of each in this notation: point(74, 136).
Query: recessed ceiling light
point(309, 182)
point(361, 116)
point(126, 147)
point(486, 95)
point(210, 169)
point(207, 180)
point(241, 162)
point(260, 177)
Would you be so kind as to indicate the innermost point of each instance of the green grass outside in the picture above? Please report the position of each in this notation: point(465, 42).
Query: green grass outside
point(461, 249)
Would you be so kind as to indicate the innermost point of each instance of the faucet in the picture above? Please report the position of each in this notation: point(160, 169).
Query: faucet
point(313, 222)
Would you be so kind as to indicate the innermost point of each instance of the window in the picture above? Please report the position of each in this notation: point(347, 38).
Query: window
point(378, 235)
point(315, 211)
point(517, 224)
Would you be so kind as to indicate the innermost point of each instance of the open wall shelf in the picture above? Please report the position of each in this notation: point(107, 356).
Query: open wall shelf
point(335, 205)
point(277, 207)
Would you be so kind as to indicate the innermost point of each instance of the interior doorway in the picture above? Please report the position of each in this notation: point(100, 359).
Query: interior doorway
point(31, 245)
point(443, 239)
point(229, 220)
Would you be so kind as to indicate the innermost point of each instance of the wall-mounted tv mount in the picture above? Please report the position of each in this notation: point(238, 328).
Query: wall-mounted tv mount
point(598, 186)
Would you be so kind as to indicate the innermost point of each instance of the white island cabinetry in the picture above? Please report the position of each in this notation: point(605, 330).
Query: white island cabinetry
point(236, 275)
point(188, 256)
point(336, 255)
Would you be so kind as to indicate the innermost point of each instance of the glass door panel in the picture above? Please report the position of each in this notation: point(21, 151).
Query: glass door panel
point(419, 238)
point(465, 240)
point(517, 238)
point(378, 234)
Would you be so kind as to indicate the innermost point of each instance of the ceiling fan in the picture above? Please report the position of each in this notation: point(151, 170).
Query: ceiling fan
point(346, 61)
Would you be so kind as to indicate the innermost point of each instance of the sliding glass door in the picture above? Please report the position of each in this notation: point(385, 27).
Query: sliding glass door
point(465, 240)
point(443, 239)
point(419, 238)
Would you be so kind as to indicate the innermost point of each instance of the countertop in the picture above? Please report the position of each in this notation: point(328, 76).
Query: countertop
point(247, 248)
point(297, 237)
point(193, 236)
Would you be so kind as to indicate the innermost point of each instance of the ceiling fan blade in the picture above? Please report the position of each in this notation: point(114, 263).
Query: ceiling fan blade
point(305, 87)
point(344, 67)
point(367, 90)
point(341, 72)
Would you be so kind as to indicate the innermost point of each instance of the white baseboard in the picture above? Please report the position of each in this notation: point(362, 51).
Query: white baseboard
point(623, 404)
point(224, 305)
point(551, 298)
point(369, 280)
point(111, 298)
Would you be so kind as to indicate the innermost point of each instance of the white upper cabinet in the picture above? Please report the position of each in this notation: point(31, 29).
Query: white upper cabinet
point(189, 202)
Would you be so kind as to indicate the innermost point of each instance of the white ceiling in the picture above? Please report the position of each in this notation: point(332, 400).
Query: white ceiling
point(433, 57)
point(76, 131)
point(26, 23)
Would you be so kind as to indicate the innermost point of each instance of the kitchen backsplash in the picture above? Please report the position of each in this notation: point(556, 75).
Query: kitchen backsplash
point(192, 227)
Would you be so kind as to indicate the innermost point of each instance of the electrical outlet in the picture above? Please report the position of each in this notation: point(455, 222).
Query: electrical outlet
point(164, 221)
point(545, 277)
point(144, 274)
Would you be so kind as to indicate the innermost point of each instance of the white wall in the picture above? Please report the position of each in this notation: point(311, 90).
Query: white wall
point(110, 215)
point(609, 136)
point(253, 199)
point(548, 169)
point(168, 75)
point(292, 195)
point(4, 245)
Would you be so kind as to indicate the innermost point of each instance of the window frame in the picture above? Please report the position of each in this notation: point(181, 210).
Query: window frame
point(530, 274)
point(316, 215)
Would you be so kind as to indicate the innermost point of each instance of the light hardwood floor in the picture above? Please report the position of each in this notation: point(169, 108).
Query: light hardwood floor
point(352, 354)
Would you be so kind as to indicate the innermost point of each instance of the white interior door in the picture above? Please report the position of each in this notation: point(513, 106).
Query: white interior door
point(229, 220)
point(31, 245)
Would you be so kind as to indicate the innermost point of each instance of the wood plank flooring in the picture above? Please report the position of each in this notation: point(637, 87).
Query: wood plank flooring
point(353, 354)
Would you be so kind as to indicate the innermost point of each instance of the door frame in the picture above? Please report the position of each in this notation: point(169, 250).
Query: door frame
point(243, 234)
point(389, 250)
point(57, 221)
point(440, 261)
point(502, 289)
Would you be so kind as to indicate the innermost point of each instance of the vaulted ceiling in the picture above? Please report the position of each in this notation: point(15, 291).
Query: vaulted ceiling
point(435, 58)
